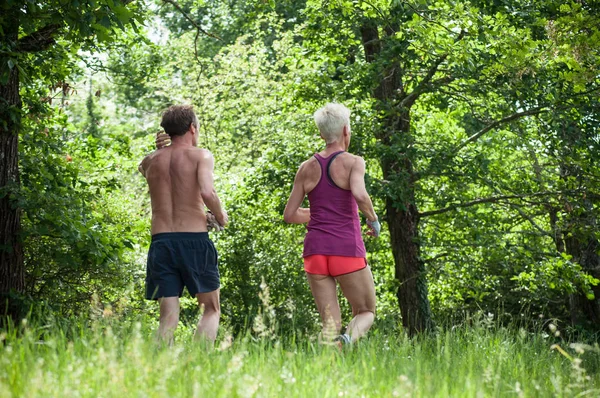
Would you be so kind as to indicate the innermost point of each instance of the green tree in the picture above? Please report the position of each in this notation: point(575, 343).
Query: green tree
point(443, 57)
point(38, 41)
point(461, 110)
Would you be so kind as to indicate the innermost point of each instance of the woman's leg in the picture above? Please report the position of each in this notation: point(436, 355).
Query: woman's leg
point(324, 291)
point(358, 287)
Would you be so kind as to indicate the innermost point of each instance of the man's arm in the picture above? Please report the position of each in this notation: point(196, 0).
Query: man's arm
point(206, 166)
point(144, 165)
point(293, 213)
point(359, 191)
point(161, 140)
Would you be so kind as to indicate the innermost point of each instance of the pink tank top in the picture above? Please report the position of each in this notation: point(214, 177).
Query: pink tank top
point(334, 226)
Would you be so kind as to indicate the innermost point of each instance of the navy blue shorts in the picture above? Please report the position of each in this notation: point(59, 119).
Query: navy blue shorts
point(176, 259)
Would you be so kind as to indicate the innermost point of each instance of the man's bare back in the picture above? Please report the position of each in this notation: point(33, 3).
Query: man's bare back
point(180, 179)
point(176, 176)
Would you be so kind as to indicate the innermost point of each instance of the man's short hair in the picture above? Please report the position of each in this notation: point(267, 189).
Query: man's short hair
point(331, 120)
point(176, 120)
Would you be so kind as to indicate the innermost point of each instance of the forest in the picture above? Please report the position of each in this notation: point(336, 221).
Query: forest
point(479, 125)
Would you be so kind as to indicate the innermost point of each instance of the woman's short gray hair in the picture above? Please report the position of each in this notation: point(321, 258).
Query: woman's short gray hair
point(331, 120)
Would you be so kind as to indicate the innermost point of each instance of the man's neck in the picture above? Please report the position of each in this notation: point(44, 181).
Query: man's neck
point(181, 141)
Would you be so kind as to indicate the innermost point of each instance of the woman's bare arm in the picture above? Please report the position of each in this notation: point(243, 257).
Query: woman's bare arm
point(293, 213)
point(359, 191)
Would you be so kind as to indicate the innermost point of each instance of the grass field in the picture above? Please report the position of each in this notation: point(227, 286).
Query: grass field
point(123, 360)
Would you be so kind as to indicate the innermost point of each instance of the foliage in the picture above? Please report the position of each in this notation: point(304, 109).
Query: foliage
point(76, 220)
point(456, 114)
point(39, 43)
point(41, 40)
point(503, 139)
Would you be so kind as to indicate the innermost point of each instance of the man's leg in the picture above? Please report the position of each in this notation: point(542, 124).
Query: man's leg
point(359, 289)
point(208, 325)
point(323, 289)
point(169, 318)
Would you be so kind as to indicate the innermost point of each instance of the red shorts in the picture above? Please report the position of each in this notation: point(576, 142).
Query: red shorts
point(333, 265)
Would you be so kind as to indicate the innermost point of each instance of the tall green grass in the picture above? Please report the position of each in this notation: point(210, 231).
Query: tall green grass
point(122, 360)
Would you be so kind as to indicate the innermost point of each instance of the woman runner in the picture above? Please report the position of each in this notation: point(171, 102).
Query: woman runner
point(334, 249)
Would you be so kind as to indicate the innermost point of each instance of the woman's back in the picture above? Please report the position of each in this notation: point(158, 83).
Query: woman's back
point(334, 226)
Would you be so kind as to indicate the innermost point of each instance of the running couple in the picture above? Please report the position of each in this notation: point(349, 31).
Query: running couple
point(180, 180)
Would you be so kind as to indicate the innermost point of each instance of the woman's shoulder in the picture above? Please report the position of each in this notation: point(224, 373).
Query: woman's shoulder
point(350, 159)
point(309, 165)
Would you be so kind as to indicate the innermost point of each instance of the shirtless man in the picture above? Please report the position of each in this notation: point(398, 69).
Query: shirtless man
point(180, 178)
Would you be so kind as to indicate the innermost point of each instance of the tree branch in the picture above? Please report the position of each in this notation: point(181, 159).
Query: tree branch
point(431, 259)
point(451, 92)
point(592, 195)
point(381, 15)
point(509, 118)
point(39, 40)
point(416, 11)
point(192, 21)
point(451, 153)
point(496, 123)
point(491, 199)
point(425, 83)
point(517, 115)
point(531, 221)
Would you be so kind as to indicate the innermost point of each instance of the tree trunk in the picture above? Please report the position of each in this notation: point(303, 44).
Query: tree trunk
point(402, 213)
point(403, 223)
point(12, 271)
point(584, 251)
point(410, 270)
point(577, 238)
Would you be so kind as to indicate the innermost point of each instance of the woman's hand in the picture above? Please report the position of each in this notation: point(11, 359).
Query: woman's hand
point(375, 228)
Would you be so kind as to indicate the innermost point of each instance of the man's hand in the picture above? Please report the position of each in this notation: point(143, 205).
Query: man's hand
point(212, 223)
point(375, 227)
point(162, 140)
point(224, 219)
